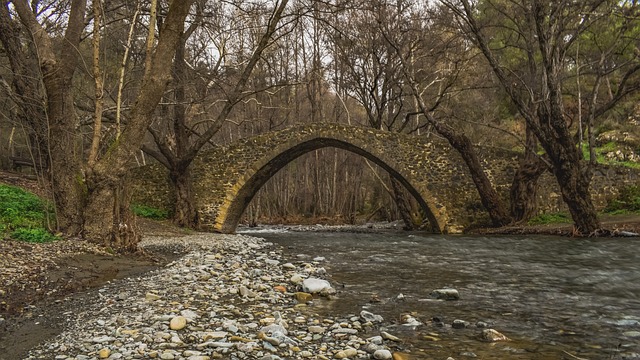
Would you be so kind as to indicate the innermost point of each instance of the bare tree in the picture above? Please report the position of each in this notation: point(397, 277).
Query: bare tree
point(554, 28)
point(177, 148)
point(90, 199)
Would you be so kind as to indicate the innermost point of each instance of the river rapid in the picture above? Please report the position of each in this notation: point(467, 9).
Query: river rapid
point(555, 298)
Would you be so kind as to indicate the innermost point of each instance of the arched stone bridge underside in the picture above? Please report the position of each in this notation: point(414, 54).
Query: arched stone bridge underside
point(227, 178)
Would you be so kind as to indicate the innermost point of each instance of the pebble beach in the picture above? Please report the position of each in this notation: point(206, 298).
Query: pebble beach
point(228, 297)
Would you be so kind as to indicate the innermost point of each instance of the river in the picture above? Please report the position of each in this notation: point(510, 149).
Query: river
point(555, 298)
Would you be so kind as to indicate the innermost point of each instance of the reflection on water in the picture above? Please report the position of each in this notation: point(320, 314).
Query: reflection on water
point(556, 298)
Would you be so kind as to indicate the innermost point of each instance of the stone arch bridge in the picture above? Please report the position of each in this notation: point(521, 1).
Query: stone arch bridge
point(226, 178)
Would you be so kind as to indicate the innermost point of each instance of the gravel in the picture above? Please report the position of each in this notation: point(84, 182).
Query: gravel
point(229, 296)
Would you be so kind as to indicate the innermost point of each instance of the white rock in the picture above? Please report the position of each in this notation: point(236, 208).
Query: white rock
point(492, 335)
point(446, 294)
point(382, 354)
point(314, 285)
point(368, 316)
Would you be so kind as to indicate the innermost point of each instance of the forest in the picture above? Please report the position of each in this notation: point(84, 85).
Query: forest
point(91, 89)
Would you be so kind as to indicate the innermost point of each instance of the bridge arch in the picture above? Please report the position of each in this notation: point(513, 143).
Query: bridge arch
point(239, 197)
point(228, 178)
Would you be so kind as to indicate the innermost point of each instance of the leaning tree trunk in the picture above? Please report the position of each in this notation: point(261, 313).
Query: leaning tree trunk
point(403, 205)
point(488, 195)
point(574, 178)
point(185, 213)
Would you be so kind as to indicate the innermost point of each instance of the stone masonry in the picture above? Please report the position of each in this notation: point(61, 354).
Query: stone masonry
point(226, 178)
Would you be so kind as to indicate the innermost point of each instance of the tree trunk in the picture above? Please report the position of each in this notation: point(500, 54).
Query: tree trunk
point(574, 178)
point(404, 207)
point(524, 187)
point(108, 216)
point(185, 213)
point(64, 147)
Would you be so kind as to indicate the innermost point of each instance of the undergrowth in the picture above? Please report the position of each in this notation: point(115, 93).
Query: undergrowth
point(627, 201)
point(149, 212)
point(601, 159)
point(24, 216)
point(550, 218)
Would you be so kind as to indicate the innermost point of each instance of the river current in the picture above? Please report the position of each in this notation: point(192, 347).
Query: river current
point(554, 297)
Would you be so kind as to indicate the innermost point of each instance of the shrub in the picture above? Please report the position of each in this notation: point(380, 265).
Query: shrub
point(628, 200)
point(34, 235)
point(550, 218)
point(23, 215)
point(150, 212)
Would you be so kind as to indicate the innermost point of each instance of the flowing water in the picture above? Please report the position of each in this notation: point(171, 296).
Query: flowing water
point(555, 298)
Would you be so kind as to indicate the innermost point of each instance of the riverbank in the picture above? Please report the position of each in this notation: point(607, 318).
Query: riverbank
point(77, 287)
point(228, 296)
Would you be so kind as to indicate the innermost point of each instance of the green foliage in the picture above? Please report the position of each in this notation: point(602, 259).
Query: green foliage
point(23, 215)
point(34, 235)
point(550, 218)
point(150, 212)
point(626, 202)
point(601, 159)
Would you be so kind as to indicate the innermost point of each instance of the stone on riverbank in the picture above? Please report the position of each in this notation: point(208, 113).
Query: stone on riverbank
point(315, 285)
point(446, 294)
point(491, 335)
point(178, 323)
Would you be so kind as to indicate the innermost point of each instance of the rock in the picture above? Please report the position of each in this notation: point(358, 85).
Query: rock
point(375, 340)
point(387, 336)
point(216, 335)
point(382, 354)
point(446, 294)
point(178, 323)
point(103, 339)
point(368, 316)
point(167, 356)
point(288, 266)
point(314, 285)
point(401, 356)
point(316, 329)
point(346, 353)
point(280, 289)
point(296, 279)
point(303, 297)
point(631, 334)
point(189, 314)
point(152, 297)
point(410, 321)
point(104, 353)
point(491, 335)
point(459, 324)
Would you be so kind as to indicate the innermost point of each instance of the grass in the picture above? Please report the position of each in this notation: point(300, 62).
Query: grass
point(149, 212)
point(550, 218)
point(627, 201)
point(24, 216)
point(601, 159)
